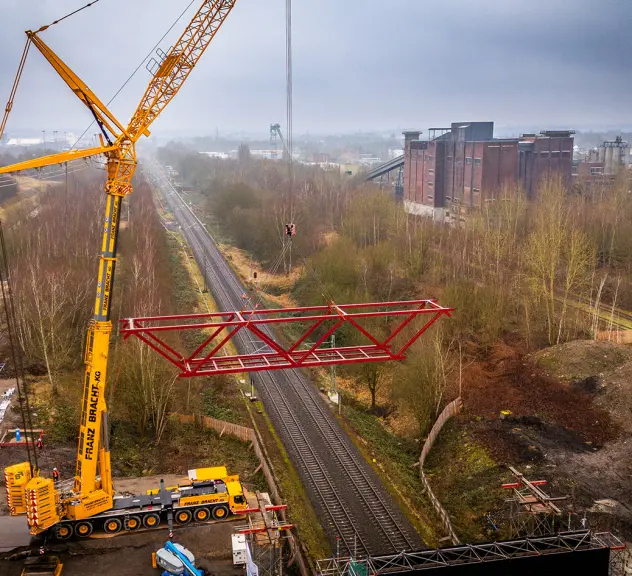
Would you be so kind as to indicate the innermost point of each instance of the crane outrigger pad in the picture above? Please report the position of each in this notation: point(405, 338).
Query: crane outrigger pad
point(367, 322)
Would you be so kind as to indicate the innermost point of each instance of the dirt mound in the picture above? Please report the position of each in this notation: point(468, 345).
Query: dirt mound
point(509, 381)
point(601, 369)
point(581, 359)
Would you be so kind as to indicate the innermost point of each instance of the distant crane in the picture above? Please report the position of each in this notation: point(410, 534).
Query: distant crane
point(275, 130)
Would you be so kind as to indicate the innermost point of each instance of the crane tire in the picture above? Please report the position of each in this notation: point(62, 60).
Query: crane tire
point(202, 514)
point(112, 525)
point(151, 520)
point(133, 523)
point(182, 517)
point(83, 529)
point(220, 512)
point(63, 531)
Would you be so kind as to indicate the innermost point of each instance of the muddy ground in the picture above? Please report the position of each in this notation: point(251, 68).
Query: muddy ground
point(567, 418)
point(130, 554)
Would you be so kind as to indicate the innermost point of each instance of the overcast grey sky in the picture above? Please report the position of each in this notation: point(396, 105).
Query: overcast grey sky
point(358, 64)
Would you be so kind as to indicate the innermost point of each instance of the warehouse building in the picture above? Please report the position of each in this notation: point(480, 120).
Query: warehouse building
point(464, 166)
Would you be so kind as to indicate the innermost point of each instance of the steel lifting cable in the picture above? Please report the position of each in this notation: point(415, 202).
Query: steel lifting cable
point(137, 68)
point(9, 310)
point(289, 116)
point(67, 15)
point(14, 89)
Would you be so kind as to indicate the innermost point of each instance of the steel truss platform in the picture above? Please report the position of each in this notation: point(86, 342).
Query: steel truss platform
point(470, 554)
point(361, 322)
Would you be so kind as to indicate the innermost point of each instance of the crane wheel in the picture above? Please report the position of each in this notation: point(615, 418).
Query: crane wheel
point(220, 512)
point(183, 517)
point(112, 526)
point(151, 520)
point(132, 523)
point(83, 529)
point(201, 514)
point(63, 531)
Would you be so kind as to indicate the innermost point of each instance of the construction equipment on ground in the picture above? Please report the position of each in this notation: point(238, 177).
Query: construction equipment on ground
point(43, 565)
point(175, 560)
point(89, 502)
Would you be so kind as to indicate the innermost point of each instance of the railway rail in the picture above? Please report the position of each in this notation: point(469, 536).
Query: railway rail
point(358, 515)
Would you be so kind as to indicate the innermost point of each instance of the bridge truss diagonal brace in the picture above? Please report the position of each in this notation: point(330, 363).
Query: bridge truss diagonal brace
point(406, 321)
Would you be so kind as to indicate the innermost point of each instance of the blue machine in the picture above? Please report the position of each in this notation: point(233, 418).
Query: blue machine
point(177, 560)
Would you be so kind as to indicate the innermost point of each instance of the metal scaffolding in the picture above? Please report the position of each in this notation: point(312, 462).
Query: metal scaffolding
point(532, 511)
point(266, 537)
point(564, 542)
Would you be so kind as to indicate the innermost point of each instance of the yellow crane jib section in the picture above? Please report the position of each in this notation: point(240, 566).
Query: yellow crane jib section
point(178, 63)
point(79, 87)
point(53, 159)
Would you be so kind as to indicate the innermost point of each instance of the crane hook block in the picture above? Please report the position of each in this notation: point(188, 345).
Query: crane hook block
point(290, 230)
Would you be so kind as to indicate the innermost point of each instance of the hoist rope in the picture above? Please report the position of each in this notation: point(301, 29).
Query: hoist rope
point(68, 15)
point(288, 89)
point(137, 68)
point(288, 99)
point(14, 88)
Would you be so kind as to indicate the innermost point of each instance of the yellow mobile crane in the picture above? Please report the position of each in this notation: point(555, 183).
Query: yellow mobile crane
point(90, 502)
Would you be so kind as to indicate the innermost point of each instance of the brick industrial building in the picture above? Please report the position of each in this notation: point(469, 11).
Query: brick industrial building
point(465, 166)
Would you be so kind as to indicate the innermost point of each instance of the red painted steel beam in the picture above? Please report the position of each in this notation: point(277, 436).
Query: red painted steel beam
point(280, 528)
point(270, 508)
point(519, 484)
point(219, 327)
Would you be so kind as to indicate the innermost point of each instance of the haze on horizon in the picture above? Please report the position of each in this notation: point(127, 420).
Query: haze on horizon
point(357, 64)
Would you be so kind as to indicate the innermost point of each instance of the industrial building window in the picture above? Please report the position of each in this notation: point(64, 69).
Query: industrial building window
point(430, 184)
point(477, 161)
point(430, 170)
point(566, 153)
point(429, 157)
point(430, 197)
point(544, 154)
point(596, 170)
point(468, 160)
point(476, 190)
point(555, 154)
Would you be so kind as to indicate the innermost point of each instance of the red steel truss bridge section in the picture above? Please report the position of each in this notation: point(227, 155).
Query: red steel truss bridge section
point(406, 322)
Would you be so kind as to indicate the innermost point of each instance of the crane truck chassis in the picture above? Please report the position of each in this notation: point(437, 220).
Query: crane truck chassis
point(210, 494)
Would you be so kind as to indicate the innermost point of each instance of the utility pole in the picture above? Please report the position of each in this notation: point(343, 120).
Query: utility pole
point(334, 384)
point(205, 289)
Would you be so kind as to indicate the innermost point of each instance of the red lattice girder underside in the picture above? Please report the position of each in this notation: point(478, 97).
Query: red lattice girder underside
point(359, 322)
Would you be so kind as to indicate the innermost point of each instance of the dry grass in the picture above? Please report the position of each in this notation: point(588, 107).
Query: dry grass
point(281, 284)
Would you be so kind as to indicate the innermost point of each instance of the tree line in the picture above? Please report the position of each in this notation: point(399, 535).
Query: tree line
point(53, 259)
point(516, 266)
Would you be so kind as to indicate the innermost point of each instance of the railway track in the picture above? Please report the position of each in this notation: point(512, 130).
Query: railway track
point(357, 513)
